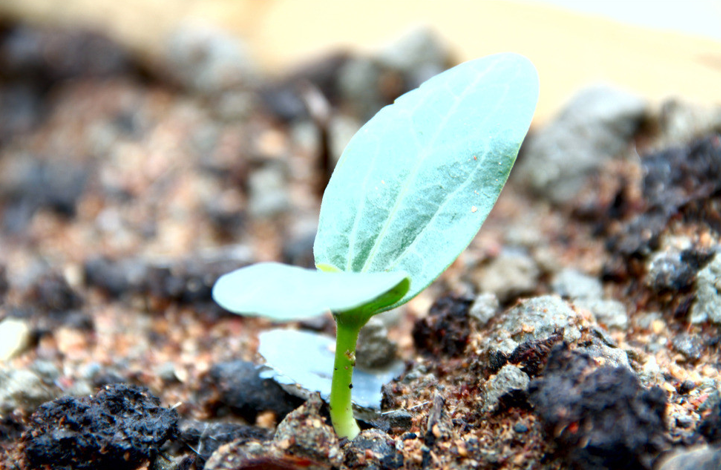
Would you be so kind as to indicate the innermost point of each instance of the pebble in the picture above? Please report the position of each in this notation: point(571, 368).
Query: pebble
point(207, 61)
point(707, 306)
point(14, 338)
point(308, 434)
point(374, 349)
point(682, 122)
point(510, 378)
point(358, 83)
point(610, 313)
point(595, 126)
point(374, 444)
point(484, 308)
point(418, 54)
point(667, 271)
point(520, 428)
point(700, 458)
point(509, 275)
point(23, 389)
point(268, 192)
point(534, 319)
point(587, 293)
point(398, 419)
point(690, 346)
point(573, 284)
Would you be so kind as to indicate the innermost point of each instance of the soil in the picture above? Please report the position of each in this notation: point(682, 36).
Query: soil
point(124, 195)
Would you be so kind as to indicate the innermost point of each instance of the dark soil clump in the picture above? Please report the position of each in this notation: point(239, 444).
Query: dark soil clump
point(599, 420)
point(120, 428)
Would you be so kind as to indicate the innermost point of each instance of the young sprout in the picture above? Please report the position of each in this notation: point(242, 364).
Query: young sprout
point(408, 195)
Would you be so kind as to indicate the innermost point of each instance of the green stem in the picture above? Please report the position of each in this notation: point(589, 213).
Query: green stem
point(341, 409)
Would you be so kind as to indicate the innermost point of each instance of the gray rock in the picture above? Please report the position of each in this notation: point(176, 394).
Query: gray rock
point(46, 370)
point(508, 379)
point(374, 349)
point(689, 346)
point(208, 61)
point(268, 191)
point(594, 127)
point(672, 270)
point(14, 338)
point(358, 82)
point(376, 443)
point(683, 122)
point(308, 435)
point(419, 54)
point(572, 284)
point(399, 419)
point(707, 306)
point(700, 458)
point(369, 83)
point(23, 389)
point(534, 319)
point(484, 308)
point(304, 435)
point(645, 320)
point(610, 313)
point(509, 275)
point(606, 355)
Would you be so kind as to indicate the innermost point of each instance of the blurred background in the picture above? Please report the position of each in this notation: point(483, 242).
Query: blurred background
point(660, 49)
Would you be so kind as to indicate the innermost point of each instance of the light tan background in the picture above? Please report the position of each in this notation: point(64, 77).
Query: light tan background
point(570, 50)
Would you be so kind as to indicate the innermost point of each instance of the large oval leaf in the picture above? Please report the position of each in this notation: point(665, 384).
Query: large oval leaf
point(415, 184)
point(283, 292)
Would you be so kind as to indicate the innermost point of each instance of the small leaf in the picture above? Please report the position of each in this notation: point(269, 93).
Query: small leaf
point(415, 184)
point(306, 359)
point(283, 292)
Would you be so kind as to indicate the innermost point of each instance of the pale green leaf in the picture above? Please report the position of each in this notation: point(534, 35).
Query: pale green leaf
point(415, 184)
point(283, 292)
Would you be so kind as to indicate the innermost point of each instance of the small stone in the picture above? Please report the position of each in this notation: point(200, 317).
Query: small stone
point(373, 444)
point(683, 122)
point(484, 308)
point(510, 378)
point(700, 458)
point(572, 284)
point(509, 275)
point(610, 313)
point(520, 428)
point(318, 443)
point(374, 349)
point(14, 338)
point(268, 192)
point(23, 389)
point(606, 355)
point(690, 346)
point(674, 269)
point(707, 306)
point(593, 128)
point(534, 319)
point(419, 54)
point(399, 419)
point(207, 61)
point(358, 82)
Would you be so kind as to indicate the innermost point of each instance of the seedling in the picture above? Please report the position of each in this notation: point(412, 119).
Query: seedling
point(408, 195)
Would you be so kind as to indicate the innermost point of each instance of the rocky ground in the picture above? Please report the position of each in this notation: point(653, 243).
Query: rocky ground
point(579, 330)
